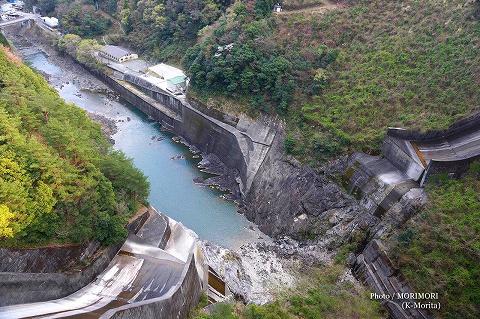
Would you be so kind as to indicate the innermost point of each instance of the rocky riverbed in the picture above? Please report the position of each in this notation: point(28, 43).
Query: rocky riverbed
point(257, 272)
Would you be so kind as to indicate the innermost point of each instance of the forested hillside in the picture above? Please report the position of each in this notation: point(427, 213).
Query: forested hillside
point(161, 29)
point(339, 76)
point(342, 77)
point(60, 179)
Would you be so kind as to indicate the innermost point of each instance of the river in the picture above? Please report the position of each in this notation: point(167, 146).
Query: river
point(169, 166)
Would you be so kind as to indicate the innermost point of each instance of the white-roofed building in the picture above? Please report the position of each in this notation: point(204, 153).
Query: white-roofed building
point(7, 7)
point(52, 22)
point(174, 79)
point(117, 54)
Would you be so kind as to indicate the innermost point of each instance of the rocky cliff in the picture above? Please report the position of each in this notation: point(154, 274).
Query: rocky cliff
point(352, 195)
point(288, 198)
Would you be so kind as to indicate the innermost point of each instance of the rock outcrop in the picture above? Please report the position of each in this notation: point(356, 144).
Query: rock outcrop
point(287, 198)
point(374, 268)
point(253, 273)
point(376, 198)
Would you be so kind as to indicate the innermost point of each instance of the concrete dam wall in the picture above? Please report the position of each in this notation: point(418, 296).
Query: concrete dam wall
point(158, 270)
point(241, 145)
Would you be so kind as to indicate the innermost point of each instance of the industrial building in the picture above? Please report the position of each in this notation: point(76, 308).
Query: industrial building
point(175, 79)
point(117, 54)
point(50, 21)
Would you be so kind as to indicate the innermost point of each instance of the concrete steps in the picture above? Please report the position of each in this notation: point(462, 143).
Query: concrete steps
point(374, 268)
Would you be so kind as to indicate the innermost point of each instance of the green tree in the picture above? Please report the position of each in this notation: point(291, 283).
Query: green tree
point(6, 217)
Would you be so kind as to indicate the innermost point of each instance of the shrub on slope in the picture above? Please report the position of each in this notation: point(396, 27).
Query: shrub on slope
point(439, 250)
point(60, 179)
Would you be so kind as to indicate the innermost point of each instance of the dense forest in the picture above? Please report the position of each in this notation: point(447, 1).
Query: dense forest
point(343, 76)
point(410, 64)
point(60, 179)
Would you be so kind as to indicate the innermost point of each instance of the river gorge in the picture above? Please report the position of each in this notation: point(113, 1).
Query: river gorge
point(227, 160)
point(172, 168)
point(169, 166)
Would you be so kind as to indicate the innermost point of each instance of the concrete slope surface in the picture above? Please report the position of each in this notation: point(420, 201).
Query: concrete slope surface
point(140, 271)
point(452, 148)
point(421, 154)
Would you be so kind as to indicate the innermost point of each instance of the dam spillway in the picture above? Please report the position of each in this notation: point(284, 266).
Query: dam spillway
point(155, 266)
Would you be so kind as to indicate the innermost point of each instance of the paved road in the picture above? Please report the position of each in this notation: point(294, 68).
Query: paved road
point(23, 17)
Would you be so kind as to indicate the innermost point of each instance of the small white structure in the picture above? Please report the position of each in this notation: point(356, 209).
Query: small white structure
point(176, 80)
point(50, 21)
point(277, 7)
point(117, 54)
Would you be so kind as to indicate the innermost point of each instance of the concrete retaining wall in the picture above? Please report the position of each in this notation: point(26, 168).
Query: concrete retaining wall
point(18, 288)
point(174, 305)
point(455, 169)
point(456, 165)
point(210, 131)
point(402, 155)
point(207, 134)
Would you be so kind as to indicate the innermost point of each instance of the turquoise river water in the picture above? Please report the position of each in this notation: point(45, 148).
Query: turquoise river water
point(173, 191)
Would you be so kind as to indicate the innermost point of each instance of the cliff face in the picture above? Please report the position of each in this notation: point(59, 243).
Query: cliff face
point(287, 198)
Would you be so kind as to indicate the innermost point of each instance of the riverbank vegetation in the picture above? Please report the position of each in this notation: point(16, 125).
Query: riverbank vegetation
point(82, 50)
point(439, 250)
point(60, 179)
point(323, 296)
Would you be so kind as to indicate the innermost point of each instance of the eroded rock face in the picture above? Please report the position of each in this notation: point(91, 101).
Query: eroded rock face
point(287, 198)
point(46, 259)
point(290, 199)
point(253, 273)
